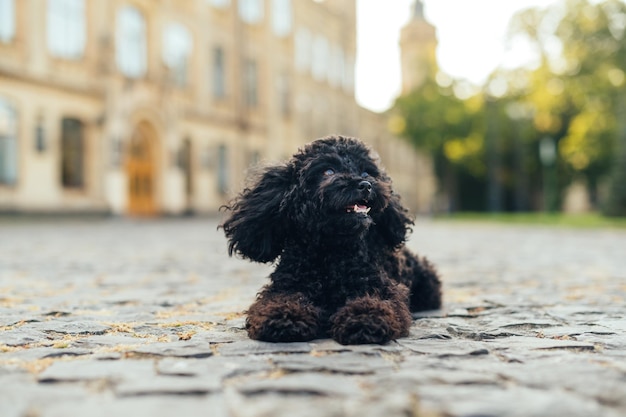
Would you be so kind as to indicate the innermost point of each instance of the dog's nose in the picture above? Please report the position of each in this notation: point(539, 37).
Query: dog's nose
point(365, 186)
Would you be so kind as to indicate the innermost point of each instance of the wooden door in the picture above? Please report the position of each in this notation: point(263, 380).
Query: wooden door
point(140, 168)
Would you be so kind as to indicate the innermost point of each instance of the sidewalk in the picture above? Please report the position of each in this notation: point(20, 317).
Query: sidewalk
point(144, 318)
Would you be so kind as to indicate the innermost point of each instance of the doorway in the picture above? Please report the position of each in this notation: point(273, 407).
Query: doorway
point(141, 171)
point(186, 162)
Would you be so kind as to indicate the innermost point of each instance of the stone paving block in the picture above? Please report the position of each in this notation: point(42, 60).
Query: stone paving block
point(147, 406)
point(218, 337)
point(20, 396)
point(303, 383)
point(280, 405)
point(329, 345)
point(342, 363)
point(537, 343)
point(615, 325)
point(88, 370)
point(217, 367)
point(66, 352)
point(79, 327)
point(167, 385)
point(181, 349)
point(511, 401)
point(573, 376)
point(109, 340)
point(253, 347)
point(445, 348)
point(21, 337)
point(615, 344)
point(9, 318)
point(577, 331)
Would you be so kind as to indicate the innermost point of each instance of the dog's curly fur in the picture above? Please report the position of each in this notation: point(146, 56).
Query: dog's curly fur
point(343, 271)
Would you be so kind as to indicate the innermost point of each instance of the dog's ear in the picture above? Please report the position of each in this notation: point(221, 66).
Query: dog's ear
point(394, 223)
point(257, 226)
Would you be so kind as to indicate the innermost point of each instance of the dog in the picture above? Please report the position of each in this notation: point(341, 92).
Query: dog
point(332, 220)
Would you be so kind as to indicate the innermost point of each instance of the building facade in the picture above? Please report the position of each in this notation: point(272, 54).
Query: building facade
point(144, 107)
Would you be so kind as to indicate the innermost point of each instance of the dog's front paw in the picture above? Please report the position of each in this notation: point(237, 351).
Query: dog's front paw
point(283, 318)
point(369, 320)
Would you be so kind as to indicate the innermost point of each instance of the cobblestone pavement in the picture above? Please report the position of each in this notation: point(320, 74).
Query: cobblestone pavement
point(144, 318)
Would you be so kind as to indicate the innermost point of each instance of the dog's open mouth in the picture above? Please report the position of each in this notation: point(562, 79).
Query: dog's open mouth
point(358, 208)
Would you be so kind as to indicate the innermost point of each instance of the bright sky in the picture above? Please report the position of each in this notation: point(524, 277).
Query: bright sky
point(471, 36)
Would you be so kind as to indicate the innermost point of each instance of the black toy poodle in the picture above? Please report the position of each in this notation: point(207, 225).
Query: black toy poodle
point(332, 219)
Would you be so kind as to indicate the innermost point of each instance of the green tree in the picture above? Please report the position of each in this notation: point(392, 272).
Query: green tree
point(435, 120)
point(486, 148)
point(575, 92)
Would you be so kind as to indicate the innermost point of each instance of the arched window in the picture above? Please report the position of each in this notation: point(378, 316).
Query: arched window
point(283, 88)
point(7, 20)
point(219, 73)
point(8, 143)
point(66, 28)
point(336, 67)
point(220, 4)
point(251, 11)
point(72, 153)
point(177, 49)
point(131, 51)
point(251, 83)
point(348, 75)
point(222, 169)
point(281, 17)
point(304, 48)
point(321, 52)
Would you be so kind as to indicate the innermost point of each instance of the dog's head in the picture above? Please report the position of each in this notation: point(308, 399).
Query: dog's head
point(331, 191)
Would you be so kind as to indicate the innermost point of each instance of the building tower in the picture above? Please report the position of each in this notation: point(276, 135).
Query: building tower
point(418, 43)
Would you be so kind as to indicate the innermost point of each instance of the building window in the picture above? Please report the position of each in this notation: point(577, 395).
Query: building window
point(40, 135)
point(222, 169)
point(7, 20)
point(66, 28)
point(251, 11)
point(284, 94)
point(250, 83)
point(177, 49)
point(336, 67)
point(303, 49)
point(220, 4)
point(219, 73)
point(72, 153)
point(8, 144)
point(131, 51)
point(281, 17)
point(348, 75)
point(320, 58)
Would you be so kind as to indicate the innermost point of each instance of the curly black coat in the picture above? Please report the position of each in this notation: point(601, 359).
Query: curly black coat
point(331, 217)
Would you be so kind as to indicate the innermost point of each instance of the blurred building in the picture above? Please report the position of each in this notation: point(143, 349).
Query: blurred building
point(141, 107)
point(418, 46)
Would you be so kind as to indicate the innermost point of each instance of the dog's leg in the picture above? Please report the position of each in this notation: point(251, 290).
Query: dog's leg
point(420, 276)
point(283, 317)
point(371, 319)
point(425, 284)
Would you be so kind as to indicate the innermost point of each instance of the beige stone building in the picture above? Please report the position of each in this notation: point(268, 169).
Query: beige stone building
point(140, 107)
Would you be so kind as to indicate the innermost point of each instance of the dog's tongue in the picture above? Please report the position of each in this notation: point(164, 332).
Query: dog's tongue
point(357, 208)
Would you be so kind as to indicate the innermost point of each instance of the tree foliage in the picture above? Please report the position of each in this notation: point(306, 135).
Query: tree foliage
point(574, 94)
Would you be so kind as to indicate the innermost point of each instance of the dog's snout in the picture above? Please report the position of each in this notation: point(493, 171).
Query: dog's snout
point(365, 186)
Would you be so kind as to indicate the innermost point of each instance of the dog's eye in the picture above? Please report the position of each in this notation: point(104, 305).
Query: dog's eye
point(329, 172)
point(364, 174)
